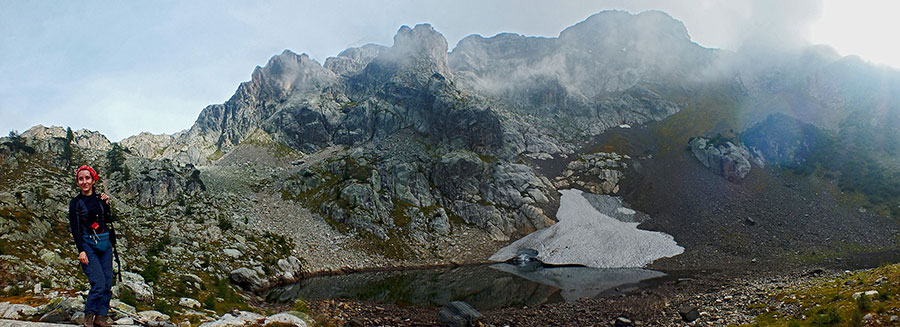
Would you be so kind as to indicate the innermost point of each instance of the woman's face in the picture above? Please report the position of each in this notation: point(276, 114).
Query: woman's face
point(85, 181)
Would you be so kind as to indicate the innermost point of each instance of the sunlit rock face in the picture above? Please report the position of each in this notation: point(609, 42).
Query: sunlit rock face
point(588, 237)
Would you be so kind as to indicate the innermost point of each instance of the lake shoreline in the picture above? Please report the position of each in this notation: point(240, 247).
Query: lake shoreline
point(721, 296)
point(655, 306)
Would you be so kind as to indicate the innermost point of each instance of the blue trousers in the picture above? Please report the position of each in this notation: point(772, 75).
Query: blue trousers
point(99, 272)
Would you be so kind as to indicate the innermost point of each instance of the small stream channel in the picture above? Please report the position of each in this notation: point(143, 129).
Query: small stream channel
point(485, 286)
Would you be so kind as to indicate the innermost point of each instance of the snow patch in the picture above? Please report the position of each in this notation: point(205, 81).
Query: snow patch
point(585, 236)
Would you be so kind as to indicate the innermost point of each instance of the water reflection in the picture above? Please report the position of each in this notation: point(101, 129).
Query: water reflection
point(482, 286)
point(581, 282)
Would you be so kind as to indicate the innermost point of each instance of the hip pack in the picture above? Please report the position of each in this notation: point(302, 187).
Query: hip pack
point(98, 242)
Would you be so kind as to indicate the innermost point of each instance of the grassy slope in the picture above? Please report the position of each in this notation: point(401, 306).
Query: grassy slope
point(830, 302)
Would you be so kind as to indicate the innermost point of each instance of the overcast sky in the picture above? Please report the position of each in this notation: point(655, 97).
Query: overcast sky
point(123, 67)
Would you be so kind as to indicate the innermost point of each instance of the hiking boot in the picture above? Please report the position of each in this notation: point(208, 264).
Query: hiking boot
point(101, 321)
point(88, 320)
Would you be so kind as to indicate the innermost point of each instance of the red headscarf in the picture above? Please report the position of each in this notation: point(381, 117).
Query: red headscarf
point(88, 168)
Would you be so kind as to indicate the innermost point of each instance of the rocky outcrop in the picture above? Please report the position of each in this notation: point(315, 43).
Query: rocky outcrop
point(598, 173)
point(154, 183)
point(415, 192)
point(82, 137)
point(724, 157)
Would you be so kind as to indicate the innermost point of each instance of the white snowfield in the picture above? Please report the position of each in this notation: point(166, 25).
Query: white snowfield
point(588, 237)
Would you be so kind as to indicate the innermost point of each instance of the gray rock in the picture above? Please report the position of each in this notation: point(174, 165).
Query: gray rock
point(189, 303)
point(869, 294)
point(440, 222)
point(728, 159)
point(16, 311)
point(623, 322)
point(243, 318)
point(247, 279)
point(289, 269)
point(152, 315)
point(135, 283)
point(61, 311)
point(232, 253)
point(78, 318)
point(689, 313)
point(284, 319)
point(51, 258)
point(458, 314)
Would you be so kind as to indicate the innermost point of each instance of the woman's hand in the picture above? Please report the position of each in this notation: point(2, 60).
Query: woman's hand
point(83, 258)
point(104, 197)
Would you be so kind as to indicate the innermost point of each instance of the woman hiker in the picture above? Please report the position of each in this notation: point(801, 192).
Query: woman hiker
point(88, 217)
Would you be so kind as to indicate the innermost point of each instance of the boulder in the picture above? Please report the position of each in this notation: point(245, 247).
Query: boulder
point(135, 283)
point(868, 294)
point(289, 269)
point(458, 314)
point(689, 313)
point(51, 258)
point(152, 315)
point(78, 318)
point(243, 318)
point(62, 311)
point(232, 253)
point(284, 320)
point(723, 157)
point(189, 303)
point(16, 311)
point(247, 279)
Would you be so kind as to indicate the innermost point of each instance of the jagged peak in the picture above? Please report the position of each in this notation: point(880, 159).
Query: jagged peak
point(617, 24)
point(286, 66)
point(420, 35)
point(283, 74)
point(419, 42)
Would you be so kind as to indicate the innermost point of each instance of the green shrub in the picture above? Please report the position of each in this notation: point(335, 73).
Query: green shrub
point(163, 306)
point(301, 306)
point(224, 224)
point(863, 303)
point(210, 302)
point(127, 296)
point(152, 270)
point(826, 317)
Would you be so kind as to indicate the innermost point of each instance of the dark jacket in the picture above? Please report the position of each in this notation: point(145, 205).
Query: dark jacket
point(84, 211)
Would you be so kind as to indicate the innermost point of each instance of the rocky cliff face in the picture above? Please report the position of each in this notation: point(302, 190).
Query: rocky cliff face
point(599, 73)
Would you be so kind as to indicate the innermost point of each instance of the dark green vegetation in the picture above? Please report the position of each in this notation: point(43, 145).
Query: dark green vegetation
point(116, 158)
